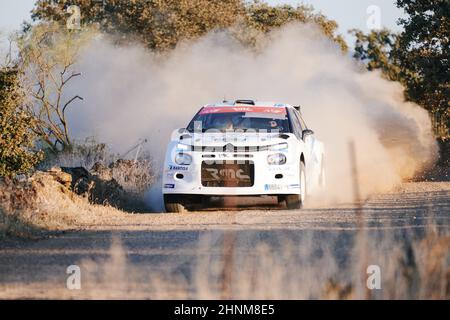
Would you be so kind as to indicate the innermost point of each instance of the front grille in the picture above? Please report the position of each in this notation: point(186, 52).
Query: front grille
point(229, 148)
point(231, 175)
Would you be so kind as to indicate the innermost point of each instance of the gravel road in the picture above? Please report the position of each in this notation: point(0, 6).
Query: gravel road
point(189, 255)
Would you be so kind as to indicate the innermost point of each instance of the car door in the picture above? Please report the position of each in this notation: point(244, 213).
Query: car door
point(295, 124)
point(312, 163)
point(297, 130)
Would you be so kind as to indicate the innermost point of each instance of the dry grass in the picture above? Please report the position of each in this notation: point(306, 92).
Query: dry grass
point(412, 268)
point(41, 205)
point(415, 263)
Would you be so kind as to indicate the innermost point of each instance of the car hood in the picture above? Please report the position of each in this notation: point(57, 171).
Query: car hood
point(236, 139)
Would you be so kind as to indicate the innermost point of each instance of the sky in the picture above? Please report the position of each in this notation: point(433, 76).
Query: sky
point(348, 14)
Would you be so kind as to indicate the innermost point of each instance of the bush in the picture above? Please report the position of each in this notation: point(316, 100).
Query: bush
point(84, 153)
point(134, 176)
point(16, 127)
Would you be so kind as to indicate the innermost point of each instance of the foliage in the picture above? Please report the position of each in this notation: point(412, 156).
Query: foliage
point(424, 52)
point(261, 16)
point(16, 137)
point(162, 24)
point(418, 57)
point(375, 50)
point(158, 24)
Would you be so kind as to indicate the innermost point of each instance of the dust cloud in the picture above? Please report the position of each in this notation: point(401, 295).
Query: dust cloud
point(130, 94)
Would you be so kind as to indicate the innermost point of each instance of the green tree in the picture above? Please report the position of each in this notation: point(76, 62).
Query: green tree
point(423, 57)
point(264, 17)
point(17, 155)
point(418, 57)
point(375, 50)
point(161, 24)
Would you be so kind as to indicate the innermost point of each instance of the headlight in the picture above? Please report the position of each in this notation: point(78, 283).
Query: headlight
point(276, 159)
point(278, 147)
point(183, 159)
point(183, 147)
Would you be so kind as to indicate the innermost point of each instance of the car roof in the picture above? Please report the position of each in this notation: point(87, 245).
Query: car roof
point(248, 102)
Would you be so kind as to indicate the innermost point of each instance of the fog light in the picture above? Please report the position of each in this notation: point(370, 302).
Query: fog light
point(276, 159)
point(183, 159)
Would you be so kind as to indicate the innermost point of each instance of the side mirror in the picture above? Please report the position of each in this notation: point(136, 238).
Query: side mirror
point(182, 130)
point(307, 132)
point(185, 136)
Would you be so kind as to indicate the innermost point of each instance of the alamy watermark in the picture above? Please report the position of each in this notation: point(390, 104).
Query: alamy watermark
point(374, 277)
point(74, 21)
point(373, 21)
point(73, 281)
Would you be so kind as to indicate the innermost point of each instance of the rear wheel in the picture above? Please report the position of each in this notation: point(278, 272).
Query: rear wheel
point(173, 203)
point(296, 201)
point(293, 201)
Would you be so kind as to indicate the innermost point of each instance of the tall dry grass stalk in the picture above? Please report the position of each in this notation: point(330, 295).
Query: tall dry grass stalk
point(308, 265)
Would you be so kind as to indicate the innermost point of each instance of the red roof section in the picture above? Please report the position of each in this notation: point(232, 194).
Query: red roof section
point(256, 109)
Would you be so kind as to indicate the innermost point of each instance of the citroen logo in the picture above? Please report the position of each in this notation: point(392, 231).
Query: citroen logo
point(229, 147)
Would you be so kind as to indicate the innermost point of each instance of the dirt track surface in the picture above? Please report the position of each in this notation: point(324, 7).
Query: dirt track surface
point(161, 242)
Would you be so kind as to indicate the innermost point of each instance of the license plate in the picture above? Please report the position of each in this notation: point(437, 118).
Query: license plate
point(228, 175)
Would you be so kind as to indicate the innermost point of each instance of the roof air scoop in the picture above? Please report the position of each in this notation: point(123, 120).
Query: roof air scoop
point(244, 101)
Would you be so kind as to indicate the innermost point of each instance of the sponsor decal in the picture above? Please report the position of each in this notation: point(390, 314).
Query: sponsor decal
point(274, 187)
point(178, 168)
point(169, 186)
point(278, 187)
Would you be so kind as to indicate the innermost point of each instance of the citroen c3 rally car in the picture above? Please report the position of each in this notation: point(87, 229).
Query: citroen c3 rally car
point(243, 148)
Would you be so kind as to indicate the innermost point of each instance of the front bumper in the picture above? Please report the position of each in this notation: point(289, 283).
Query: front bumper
point(267, 180)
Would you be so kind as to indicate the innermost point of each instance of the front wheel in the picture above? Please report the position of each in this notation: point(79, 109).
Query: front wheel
point(296, 201)
point(173, 204)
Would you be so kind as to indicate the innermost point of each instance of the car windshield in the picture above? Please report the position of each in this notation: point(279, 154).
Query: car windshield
point(240, 119)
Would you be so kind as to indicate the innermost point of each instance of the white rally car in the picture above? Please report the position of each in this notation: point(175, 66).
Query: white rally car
point(242, 148)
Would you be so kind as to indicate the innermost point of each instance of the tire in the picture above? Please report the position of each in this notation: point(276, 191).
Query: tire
point(293, 201)
point(296, 201)
point(173, 204)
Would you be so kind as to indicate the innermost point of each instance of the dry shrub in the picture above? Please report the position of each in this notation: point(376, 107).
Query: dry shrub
point(84, 153)
point(105, 185)
point(44, 204)
point(134, 176)
point(103, 176)
point(15, 207)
